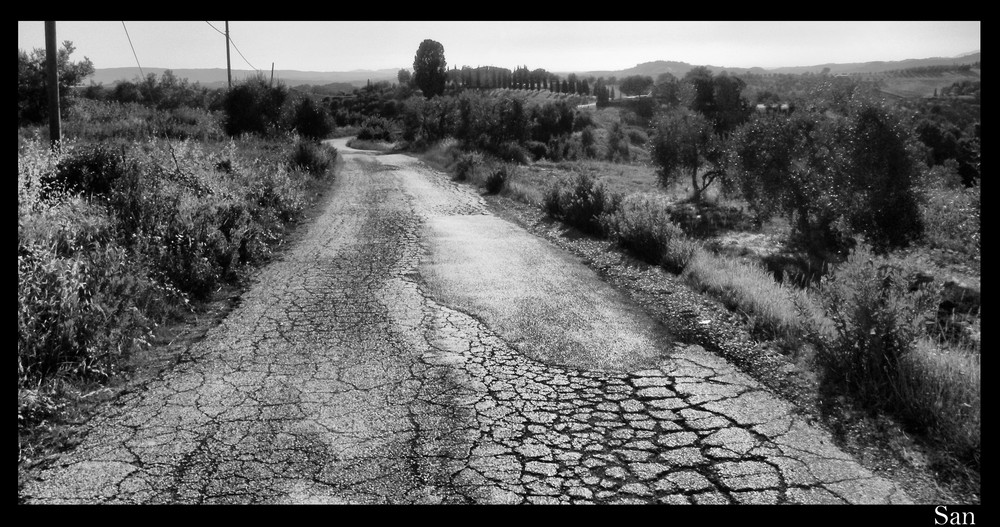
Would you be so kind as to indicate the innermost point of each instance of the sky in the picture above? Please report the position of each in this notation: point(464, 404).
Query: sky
point(556, 46)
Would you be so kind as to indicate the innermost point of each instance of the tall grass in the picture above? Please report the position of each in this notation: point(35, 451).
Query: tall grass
point(114, 239)
point(774, 309)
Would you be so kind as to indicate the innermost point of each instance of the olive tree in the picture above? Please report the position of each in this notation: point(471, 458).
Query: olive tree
point(684, 142)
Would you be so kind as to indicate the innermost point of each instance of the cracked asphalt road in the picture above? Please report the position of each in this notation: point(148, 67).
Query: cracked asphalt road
point(414, 349)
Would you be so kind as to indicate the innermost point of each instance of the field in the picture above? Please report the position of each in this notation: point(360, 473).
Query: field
point(928, 86)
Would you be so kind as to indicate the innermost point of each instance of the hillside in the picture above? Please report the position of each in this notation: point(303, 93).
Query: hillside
point(679, 69)
point(216, 77)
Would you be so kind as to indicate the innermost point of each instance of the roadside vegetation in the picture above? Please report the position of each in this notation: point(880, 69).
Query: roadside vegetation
point(843, 227)
point(156, 199)
point(870, 208)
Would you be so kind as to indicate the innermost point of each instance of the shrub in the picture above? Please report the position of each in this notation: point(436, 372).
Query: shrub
point(496, 180)
point(255, 107)
point(538, 149)
point(510, 151)
point(641, 224)
point(582, 121)
point(581, 203)
point(90, 171)
point(876, 349)
point(617, 145)
point(466, 163)
point(311, 120)
point(375, 128)
point(877, 315)
point(637, 137)
point(315, 158)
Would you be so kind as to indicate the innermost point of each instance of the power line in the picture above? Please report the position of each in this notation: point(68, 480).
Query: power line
point(215, 28)
point(234, 45)
point(133, 50)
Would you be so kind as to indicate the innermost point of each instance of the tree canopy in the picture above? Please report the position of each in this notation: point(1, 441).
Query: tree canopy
point(32, 97)
point(429, 68)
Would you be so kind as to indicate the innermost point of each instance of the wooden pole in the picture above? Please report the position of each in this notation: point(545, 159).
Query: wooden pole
point(229, 71)
point(52, 69)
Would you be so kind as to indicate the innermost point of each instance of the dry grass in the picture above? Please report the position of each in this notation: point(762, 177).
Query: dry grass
point(773, 308)
point(941, 388)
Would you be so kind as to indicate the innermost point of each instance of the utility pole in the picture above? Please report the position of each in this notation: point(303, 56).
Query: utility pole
point(229, 71)
point(272, 75)
point(52, 68)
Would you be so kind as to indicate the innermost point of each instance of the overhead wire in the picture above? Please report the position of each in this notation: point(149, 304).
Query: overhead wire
point(133, 50)
point(234, 45)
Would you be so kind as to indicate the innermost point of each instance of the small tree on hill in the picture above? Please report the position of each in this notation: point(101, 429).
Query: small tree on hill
point(404, 77)
point(636, 85)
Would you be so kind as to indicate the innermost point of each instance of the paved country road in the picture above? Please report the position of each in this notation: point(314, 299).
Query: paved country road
point(413, 348)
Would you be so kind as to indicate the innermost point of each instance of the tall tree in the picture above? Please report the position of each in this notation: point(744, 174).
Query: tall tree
point(404, 77)
point(429, 68)
point(32, 94)
point(703, 90)
point(666, 89)
point(731, 108)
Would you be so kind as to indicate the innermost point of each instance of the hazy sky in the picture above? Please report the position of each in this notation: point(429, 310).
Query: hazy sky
point(557, 46)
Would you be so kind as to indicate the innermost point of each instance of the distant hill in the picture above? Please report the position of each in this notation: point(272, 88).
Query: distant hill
point(679, 69)
point(215, 78)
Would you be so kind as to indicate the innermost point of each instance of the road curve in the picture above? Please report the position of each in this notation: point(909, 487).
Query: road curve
point(413, 348)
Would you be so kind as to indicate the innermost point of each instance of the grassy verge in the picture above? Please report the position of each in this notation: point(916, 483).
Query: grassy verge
point(123, 232)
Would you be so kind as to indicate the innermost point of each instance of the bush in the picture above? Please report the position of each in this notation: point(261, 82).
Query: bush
point(376, 128)
point(466, 164)
point(510, 151)
point(581, 203)
point(313, 157)
point(878, 351)
point(877, 315)
point(311, 121)
point(641, 224)
point(91, 171)
point(496, 180)
point(637, 137)
point(538, 149)
point(255, 107)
